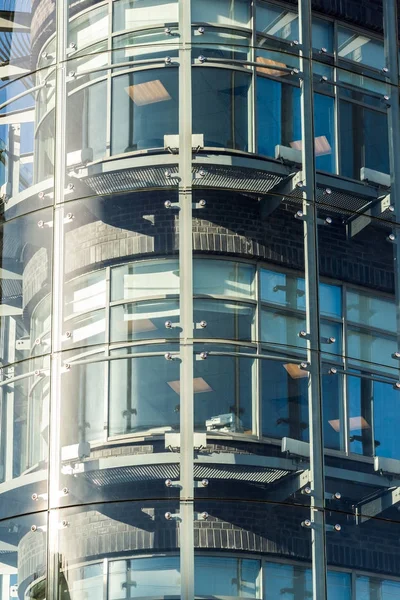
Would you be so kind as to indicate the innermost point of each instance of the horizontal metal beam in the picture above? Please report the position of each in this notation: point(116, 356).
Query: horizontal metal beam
point(289, 486)
point(374, 210)
point(376, 506)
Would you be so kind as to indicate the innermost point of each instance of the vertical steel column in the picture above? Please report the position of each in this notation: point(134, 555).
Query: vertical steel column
point(186, 304)
point(312, 308)
point(57, 296)
point(390, 16)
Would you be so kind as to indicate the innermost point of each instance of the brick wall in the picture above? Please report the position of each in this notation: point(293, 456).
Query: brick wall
point(230, 224)
point(124, 529)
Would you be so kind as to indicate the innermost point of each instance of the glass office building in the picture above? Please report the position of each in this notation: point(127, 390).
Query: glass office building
point(200, 300)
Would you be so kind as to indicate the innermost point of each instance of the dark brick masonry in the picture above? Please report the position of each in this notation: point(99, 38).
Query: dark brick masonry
point(109, 231)
point(122, 530)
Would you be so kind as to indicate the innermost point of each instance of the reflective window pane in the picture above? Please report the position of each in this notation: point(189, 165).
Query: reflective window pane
point(220, 107)
point(277, 21)
point(153, 577)
point(144, 109)
point(89, 27)
point(87, 121)
point(144, 320)
point(324, 126)
point(142, 45)
point(144, 393)
point(223, 278)
point(25, 249)
point(130, 14)
point(83, 399)
point(278, 109)
point(221, 43)
point(225, 12)
point(360, 48)
point(145, 279)
point(370, 310)
point(369, 588)
point(216, 576)
point(282, 289)
point(371, 350)
point(363, 148)
point(223, 390)
point(322, 34)
point(224, 320)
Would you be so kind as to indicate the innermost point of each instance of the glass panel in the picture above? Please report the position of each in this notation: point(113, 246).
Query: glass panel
point(225, 12)
point(278, 109)
point(223, 278)
point(145, 279)
point(224, 320)
point(143, 45)
point(369, 588)
point(283, 289)
point(85, 293)
point(27, 143)
point(360, 48)
point(280, 328)
point(89, 27)
point(285, 402)
point(224, 390)
point(131, 14)
point(132, 527)
point(358, 251)
point(144, 109)
point(83, 398)
point(23, 37)
point(216, 576)
point(86, 125)
point(324, 126)
point(362, 147)
point(24, 436)
point(23, 564)
point(156, 576)
point(145, 320)
point(224, 44)
point(26, 256)
point(291, 582)
point(221, 107)
point(365, 347)
point(277, 21)
point(144, 392)
point(374, 417)
point(124, 395)
point(370, 309)
point(82, 324)
point(322, 35)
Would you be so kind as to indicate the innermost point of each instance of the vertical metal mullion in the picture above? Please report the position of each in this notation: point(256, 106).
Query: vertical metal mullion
point(57, 297)
point(186, 305)
point(336, 96)
point(318, 550)
point(344, 380)
point(390, 16)
point(107, 364)
point(253, 92)
point(109, 80)
point(258, 408)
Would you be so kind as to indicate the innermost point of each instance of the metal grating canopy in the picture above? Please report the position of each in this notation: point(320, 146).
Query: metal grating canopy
point(125, 475)
point(236, 178)
point(204, 176)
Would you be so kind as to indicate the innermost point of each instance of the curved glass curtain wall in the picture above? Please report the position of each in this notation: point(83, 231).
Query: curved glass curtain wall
point(246, 94)
point(120, 375)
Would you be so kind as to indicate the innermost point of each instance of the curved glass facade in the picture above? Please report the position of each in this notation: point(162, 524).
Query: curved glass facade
point(200, 291)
